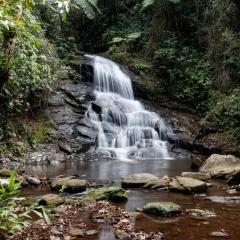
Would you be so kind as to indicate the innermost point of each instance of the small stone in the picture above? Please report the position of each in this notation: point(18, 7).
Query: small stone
point(65, 148)
point(56, 232)
point(4, 182)
point(67, 238)
point(4, 172)
point(33, 180)
point(76, 232)
point(162, 208)
point(122, 235)
point(91, 232)
point(51, 199)
point(220, 233)
point(199, 212)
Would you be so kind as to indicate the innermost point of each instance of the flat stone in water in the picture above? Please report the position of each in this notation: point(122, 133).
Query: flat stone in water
point(69, 184)
point(138, 180)
point(199, 212)
point(226, 200)
point(162, 208)
point(196, 175)
point(154, 184)
point(220, 233)
point(189, 184)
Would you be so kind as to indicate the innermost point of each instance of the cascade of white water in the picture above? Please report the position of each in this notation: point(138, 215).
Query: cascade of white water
point(125, 129)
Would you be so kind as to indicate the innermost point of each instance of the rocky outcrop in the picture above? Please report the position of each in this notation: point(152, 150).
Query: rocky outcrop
point(137, 180)
point(221, 165)
point(165, 209)
point(69, 184)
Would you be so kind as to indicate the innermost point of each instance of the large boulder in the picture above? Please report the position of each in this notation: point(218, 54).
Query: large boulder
point(138, 180)
point(187, 184)
point(220, 165)
point(197, 175)
point(69, 184)
point(165, 209)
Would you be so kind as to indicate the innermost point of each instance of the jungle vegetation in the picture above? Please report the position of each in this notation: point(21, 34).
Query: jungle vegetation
point(191, 48)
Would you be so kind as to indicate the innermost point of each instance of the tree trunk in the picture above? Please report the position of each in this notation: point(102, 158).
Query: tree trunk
point(8, 43)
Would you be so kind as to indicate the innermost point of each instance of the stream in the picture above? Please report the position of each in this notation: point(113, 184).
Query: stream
point(129, 138)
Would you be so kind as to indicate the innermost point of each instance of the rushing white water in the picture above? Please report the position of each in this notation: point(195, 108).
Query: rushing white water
point(125, 129)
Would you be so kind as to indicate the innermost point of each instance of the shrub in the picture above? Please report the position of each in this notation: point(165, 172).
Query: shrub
point(225, 112)
point(14, 216)
point(186, 71)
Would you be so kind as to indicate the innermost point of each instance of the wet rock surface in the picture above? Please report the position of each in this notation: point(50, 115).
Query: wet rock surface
point(196, 175)
point(221, 165)
point(189, 184)
point(165, 209)
point(51, 199)
point(137, 180)
point(69, 184)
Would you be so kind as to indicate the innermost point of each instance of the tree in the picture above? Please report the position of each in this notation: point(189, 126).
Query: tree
point(13, 20)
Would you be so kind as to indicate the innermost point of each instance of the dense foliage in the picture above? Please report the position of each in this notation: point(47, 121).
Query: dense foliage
point(14, 214)
point(191, 48)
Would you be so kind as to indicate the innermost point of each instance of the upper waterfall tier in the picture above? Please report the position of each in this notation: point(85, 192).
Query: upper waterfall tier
point(110, 78)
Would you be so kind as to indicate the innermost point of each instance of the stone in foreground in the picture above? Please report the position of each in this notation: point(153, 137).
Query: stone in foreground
point(137, 180)
point(69, 184)
point(197, 175)
point(165, 209)
point(51, 199)
point(220, 165)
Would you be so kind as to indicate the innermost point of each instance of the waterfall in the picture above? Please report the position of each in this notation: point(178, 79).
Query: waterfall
point(126, 130)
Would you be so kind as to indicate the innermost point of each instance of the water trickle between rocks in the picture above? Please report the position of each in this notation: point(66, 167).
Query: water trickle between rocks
point(126, 130)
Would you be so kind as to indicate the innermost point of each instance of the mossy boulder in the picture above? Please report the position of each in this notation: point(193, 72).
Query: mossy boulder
point(69, 184)
point(165, 209)
point(115, 194)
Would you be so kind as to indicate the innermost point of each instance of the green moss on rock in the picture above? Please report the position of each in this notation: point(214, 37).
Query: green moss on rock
point(115, 194)
point(165, 209)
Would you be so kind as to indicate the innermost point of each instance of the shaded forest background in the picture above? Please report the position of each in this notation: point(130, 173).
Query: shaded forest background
point(188, 50)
